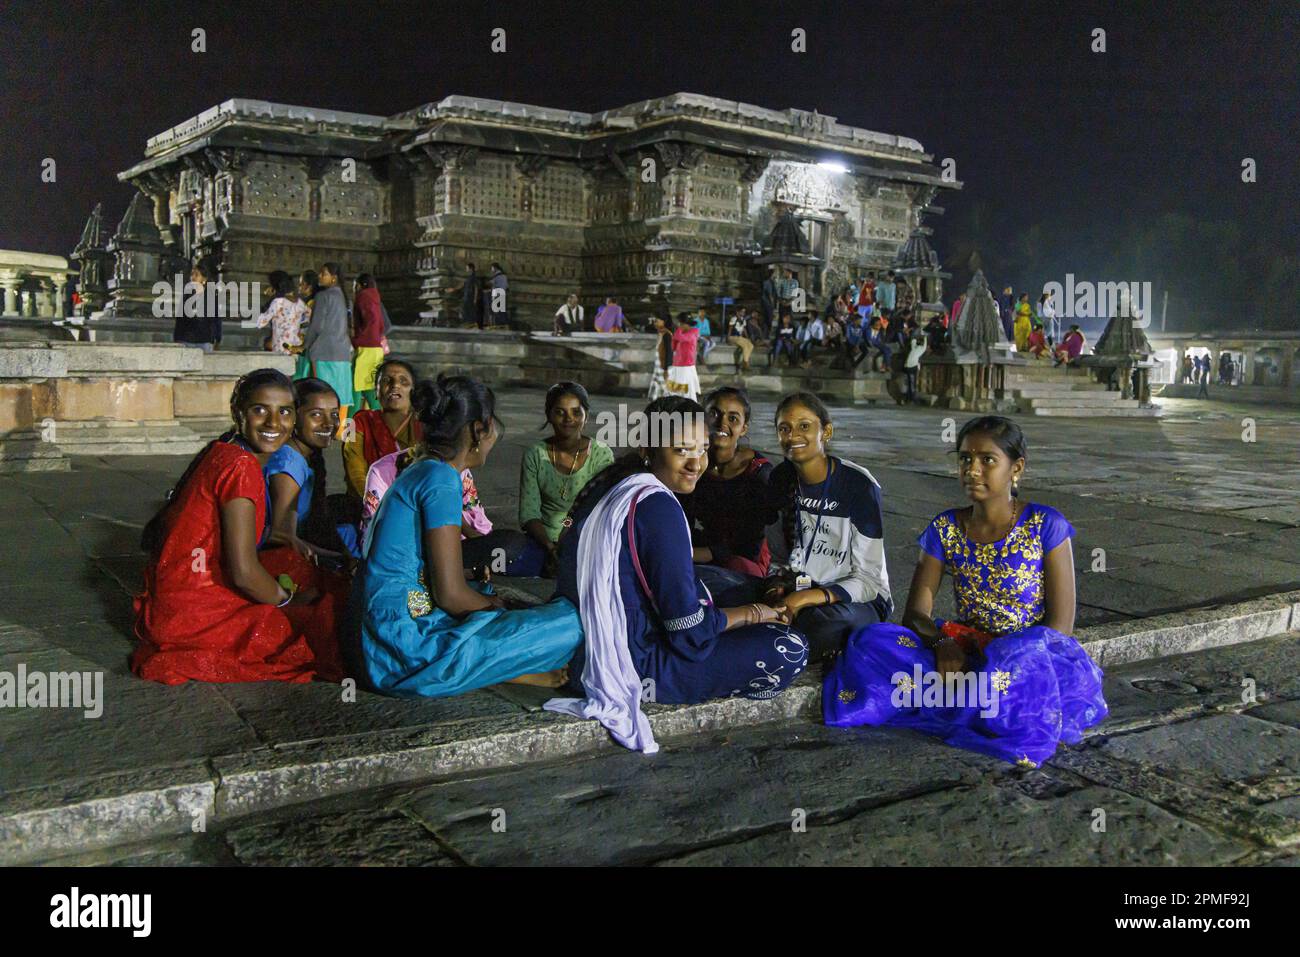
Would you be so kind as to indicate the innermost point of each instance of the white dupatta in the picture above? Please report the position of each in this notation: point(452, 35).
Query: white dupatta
point(612, 684)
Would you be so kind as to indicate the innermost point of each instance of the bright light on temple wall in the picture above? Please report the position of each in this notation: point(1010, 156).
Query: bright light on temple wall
point(833, 167)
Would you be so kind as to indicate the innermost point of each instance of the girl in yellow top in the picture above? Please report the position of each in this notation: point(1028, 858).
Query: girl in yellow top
point(1024, 316)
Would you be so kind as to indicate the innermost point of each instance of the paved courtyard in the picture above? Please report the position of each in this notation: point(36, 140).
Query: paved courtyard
point(1181, 775)
point(1184, 513)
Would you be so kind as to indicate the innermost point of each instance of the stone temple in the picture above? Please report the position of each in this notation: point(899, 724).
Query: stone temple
point(666, 203)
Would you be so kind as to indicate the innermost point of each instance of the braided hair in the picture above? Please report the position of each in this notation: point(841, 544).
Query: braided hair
point(151, 538)
point(444, 407)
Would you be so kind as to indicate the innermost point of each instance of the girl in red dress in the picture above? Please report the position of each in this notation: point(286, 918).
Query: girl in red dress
point(210, 611)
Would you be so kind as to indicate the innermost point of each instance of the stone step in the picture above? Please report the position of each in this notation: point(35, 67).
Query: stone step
point(1060, 388)
point(1091, 399)
point(44, 822)
point(26, 451)
point(101, 437)
point(1087, 412)
point(1046, 376)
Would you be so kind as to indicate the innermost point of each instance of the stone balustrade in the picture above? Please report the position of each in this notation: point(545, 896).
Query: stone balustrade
point(34, 284)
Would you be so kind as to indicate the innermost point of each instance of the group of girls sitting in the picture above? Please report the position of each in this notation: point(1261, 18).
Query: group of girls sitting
point(689, 569)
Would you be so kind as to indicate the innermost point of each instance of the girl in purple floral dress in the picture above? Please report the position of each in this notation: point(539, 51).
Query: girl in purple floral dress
point(1006, 679)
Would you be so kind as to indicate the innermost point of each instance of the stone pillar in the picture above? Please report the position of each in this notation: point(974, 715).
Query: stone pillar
point(45, 299)
point(11, 296)
point(60, 297)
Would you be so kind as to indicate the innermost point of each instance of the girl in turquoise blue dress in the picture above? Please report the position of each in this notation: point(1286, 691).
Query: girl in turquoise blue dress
point(1005, 679)
point(424, 629)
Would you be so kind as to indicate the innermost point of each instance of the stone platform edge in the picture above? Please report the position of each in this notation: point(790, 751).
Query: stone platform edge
point(40, 824)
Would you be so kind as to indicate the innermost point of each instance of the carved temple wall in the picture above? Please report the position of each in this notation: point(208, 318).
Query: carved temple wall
point(659, 219)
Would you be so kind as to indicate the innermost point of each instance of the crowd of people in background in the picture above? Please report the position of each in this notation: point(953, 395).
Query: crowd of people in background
point(1200, 369)
point(339, 329)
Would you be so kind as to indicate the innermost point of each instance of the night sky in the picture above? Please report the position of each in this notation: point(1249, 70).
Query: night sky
point(1072, 160)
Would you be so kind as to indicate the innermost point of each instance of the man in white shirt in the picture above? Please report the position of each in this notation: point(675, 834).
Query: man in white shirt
point(568, 317)
point(916, 348)
point(813, 334)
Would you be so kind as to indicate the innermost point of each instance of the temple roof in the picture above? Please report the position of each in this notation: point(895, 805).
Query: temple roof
point(92, 236)
point(916, 255)
point(137, 227)
point(803, 130)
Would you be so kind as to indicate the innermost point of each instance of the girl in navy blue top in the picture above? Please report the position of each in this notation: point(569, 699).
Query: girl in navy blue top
point(674, 631)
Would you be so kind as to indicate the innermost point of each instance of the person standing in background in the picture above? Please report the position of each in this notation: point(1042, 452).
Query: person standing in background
point(682, 377)
point(283, 314)
point(1007, 313)
point(912, 365)
point(202, 331)
point(866, 303)
point(497, 310)
point(788, 289)
point(1023, 325)
point(767, 300)
point(368, 339)
point(327, 343)
point(471, 297)
point(886, 294)
point(1047, 311)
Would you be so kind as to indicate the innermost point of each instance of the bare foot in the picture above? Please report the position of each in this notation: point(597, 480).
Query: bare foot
point(545, 679)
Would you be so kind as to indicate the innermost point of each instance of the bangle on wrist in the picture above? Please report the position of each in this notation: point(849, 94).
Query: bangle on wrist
point(288, 598)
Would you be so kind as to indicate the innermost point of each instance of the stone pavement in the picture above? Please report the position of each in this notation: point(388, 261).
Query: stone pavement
point(1183, 774)
point(1188, 515)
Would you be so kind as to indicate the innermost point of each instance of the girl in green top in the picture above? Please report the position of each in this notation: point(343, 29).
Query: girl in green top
point(555, 470)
